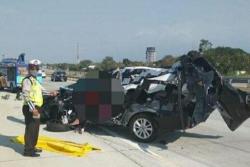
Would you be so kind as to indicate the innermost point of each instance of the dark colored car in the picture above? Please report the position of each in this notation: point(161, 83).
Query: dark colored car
point(59, 76)
point(190, 91)
point(193, 91)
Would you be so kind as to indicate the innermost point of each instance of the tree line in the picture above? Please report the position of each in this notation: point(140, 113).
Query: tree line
point(226, 59)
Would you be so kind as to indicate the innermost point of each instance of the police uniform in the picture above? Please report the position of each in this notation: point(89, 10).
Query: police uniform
point(33, 98)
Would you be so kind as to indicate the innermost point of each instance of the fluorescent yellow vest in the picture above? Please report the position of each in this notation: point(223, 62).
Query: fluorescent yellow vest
point(35, 94)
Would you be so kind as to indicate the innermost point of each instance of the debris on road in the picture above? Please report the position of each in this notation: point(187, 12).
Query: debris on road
point(5, 97)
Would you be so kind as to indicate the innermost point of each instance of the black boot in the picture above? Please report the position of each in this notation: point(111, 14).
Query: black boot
point(37, 150)
point(33, 154)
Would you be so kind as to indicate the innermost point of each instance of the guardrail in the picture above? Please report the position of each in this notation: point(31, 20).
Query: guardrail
point(71, 75)
point(71, 78)
point(238, 82)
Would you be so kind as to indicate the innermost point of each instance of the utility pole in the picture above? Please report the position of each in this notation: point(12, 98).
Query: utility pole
point(77, 53)
point(3, 56)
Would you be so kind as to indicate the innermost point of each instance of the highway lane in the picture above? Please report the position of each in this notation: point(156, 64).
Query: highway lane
point(209, 144)
point(114, 151)
point(49, 85)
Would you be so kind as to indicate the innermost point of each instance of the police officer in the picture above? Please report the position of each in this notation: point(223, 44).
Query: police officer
point(33, 101)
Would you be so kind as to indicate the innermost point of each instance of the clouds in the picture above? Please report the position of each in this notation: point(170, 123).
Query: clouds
point(51, 29)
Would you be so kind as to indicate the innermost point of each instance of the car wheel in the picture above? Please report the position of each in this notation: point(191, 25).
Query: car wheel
point(44, 117)
point(143, 128)
point(57, 126)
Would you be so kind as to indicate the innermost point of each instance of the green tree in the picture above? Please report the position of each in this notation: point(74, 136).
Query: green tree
point(204, 45)
point(166, 62)
point(62, 66)
point(85, 63)
point(126, 62)
point(74, 67)
point(228, 60)
point(108, 63)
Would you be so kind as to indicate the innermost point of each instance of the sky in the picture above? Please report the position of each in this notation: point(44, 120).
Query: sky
point(49, 30)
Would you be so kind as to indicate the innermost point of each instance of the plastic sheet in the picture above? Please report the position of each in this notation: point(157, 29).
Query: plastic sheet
point(60, 146)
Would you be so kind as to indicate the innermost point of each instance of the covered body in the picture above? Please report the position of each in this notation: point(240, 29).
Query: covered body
point(97, 98)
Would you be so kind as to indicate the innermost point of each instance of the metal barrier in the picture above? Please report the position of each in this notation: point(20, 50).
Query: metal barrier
point(238, 82)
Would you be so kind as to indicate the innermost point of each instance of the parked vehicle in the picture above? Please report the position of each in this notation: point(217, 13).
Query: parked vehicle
point(181, 99)
point(131, 77)
point(59, 76)
point(12, 72)
point(42, 73)
point(135, 74)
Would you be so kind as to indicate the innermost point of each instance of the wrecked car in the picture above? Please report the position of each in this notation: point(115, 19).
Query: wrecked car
point(131, 77)
point(97, 99)
point(134, 75)
point(183, 98)
point(180, 99)
point(150, 73)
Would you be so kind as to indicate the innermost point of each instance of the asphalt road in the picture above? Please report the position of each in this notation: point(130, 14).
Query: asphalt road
point(210, 144)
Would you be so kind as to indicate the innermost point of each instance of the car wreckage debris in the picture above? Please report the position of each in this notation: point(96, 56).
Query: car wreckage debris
point(176, 99)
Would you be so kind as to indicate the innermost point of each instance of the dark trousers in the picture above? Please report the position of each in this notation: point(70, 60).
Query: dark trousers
point(31, 130)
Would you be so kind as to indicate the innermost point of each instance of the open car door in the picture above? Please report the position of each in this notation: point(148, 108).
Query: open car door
point(235, 105)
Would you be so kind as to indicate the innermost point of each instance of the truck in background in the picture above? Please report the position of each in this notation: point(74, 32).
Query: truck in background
point(13, 71)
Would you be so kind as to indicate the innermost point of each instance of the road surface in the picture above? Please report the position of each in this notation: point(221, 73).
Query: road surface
point(210, 144)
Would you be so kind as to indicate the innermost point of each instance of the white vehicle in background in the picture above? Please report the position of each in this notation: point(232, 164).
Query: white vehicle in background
point(42, 72)
point(131, 77)
point(128, 74)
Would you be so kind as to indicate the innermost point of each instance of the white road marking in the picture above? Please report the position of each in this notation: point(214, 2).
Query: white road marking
point(133, 144)
point(144, 150)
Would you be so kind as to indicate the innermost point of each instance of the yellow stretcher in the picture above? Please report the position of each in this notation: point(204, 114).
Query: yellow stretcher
point(60, 146)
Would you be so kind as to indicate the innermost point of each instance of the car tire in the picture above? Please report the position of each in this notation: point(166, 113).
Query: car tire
point(57, 126)
point(43, 117)
point(143, 132)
